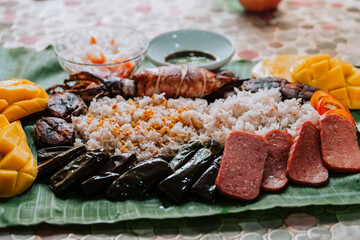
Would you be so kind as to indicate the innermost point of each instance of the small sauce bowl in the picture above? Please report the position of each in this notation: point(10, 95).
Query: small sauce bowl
point(190, 45)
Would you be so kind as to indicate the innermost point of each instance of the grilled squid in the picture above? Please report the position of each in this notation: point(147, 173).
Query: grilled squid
point(174, 80)
point(180, 81)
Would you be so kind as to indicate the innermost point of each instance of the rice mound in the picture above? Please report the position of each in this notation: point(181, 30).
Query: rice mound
point(153, 125)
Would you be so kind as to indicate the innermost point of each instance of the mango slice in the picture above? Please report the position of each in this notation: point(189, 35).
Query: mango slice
point(18, 167)
point(20, 98)
point(277, 67)
point(334, 75)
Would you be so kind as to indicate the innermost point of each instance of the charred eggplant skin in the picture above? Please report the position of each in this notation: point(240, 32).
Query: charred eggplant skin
point(78, 169)
point(45, 154)
point(185, 155)
point(98, 184)
point(215, 147)
point(139, 180)
point(177, 185)
point(54, 164)
point(205, 185)
point(108, 173)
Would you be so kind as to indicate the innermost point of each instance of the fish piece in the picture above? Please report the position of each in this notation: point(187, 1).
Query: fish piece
point(52, 131)
point(138, 180)
point(274, 177)
point(205, 185)
point(66, 105)
point(305, 164)
point(339, 144)
point(52, 165)
point(78, 169)
point(242, 166)
point(298, 90)
point(288, 90)
point(178, 184)
point(108, 173)
point(185, 155)
point(254, 84)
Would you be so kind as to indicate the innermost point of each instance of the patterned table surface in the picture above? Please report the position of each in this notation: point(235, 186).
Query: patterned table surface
point(298, 26)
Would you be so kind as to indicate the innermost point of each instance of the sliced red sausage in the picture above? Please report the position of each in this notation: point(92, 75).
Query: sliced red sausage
point(242, 166)
point(304, 164)
point(339, 145)
point(275, 166)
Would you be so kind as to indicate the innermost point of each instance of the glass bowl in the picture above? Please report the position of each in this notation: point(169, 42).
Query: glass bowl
point(107, 51)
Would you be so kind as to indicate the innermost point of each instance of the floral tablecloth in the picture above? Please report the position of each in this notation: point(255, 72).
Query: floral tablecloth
point(299, 26)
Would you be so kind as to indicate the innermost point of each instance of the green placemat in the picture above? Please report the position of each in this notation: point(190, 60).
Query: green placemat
point(39, 204)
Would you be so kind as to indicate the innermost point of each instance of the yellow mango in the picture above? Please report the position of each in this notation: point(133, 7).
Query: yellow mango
point(278, 66)
point(18, 168)
point(13, 113)
point(320, 82)
point(7, 182)
point(15, 159)
point(304, 76)
point(3, 104)
point(354, 95)
point(20, 98)
point(319, 69)
point(335, 78)
point(33, 105)
point(354, 77)
point(334, 61)
point(42, 93)
point(19, 81)
point(346, 102)
point(347, 68)
point(317, 58)
point(340, 93)
point(24, 181)
point(8, 140)
point(30, 166)
point(3, 121)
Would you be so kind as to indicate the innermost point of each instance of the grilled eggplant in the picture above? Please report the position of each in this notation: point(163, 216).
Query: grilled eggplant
point(139, 180)
point(78, 169)
point(117, 165)
point(45, 154)
point(54, 164)
point(215, 147)
point(205, 185)
point(180, 182)
point(185, 155)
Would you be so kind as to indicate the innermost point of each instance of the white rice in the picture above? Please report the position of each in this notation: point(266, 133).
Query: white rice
point(149, 126)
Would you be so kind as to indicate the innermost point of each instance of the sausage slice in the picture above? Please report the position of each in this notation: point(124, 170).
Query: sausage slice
point(275, 166)
point(304, 164)
point(242, 166)
point(339, 145)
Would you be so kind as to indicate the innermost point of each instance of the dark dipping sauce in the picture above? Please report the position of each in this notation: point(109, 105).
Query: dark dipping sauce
point(193, 57)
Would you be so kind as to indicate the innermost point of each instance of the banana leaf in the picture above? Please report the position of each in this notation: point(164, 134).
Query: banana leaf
point(39, 204)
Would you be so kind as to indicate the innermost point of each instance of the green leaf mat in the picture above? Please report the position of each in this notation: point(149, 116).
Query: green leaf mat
point(39, 204)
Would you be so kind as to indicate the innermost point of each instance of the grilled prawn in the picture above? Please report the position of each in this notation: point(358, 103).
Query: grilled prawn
point(175, 81)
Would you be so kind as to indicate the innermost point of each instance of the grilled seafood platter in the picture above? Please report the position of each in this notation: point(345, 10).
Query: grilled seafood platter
point(183, 130)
